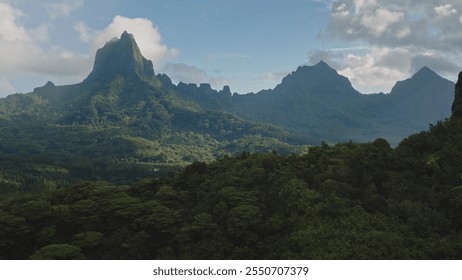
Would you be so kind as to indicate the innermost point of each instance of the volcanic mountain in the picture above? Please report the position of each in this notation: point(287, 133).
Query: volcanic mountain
point(123, 117)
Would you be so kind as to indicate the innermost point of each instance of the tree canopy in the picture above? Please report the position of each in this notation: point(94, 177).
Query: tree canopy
point(344, 201)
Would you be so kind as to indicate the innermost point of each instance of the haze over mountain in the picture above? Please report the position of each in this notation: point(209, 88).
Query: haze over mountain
point(316, 103)
point(123, 117)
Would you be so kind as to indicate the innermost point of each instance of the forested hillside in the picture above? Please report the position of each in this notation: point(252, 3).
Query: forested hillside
point(124, 123)
point(120, 124)
point(316, 103)
point(348, 201)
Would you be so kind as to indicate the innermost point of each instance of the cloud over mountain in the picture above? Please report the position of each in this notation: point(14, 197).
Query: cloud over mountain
point(24, 50)
point(402, 35)
point(180, 72)
point(146, 33)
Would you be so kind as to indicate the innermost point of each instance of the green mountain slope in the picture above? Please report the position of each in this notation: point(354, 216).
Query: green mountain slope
point(346, 202)
point(315, 103)
point(124, 117)
point(120, 124)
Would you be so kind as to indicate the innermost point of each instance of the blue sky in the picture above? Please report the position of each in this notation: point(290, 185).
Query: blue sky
point(247, 44)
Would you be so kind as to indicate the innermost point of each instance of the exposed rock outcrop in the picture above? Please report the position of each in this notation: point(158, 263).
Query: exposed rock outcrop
point(121, 57)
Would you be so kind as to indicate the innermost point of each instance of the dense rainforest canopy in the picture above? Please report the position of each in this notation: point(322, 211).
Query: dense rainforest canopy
point(347, 201)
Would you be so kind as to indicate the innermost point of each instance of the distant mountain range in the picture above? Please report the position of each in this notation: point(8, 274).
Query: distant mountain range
point(123, 115)
point(315, 103)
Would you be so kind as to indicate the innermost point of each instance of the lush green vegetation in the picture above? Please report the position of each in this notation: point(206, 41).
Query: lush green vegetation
point(122, 123)
point(319, 104)
point(221, 181)
point(348, 201)
point(121, 132)
point(35, 157)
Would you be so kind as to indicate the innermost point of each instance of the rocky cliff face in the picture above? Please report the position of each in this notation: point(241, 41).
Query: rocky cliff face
point(121, 57)
point(457, 105)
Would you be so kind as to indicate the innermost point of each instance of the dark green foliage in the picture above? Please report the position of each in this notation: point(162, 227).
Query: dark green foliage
point(348, 201)
point(121, 131)
point(57, 252)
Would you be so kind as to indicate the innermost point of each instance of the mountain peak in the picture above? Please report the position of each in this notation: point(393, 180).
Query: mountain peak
point(424, 72)
point(49, 84)
point(321, 63)
point(125, 35)
point(422, 79)
point(121, 57)
point(320, 78)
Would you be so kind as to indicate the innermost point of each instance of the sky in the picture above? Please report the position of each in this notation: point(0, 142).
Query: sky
point(249, 45)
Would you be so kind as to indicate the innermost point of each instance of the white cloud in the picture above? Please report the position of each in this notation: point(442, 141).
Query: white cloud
point(361, 5)
point(180, 72)
point(406, 31)
point(41, 33)
point(379, 21)
point(10, 31)
point(28, 52)
point(146, 34)
point(21, 51)
point(341, 10)
point(435, 61)
point(218, 82)
point(402, 36)
point(445, 10)
point(62, 9)
point(275, 76)
point(84, 32)
point(376, 70)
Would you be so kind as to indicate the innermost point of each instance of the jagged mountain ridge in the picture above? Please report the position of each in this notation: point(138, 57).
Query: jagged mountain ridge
point(120, 125)
point(122, 90)
point(315, 102)
point(126, 123)
point(311, 104)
